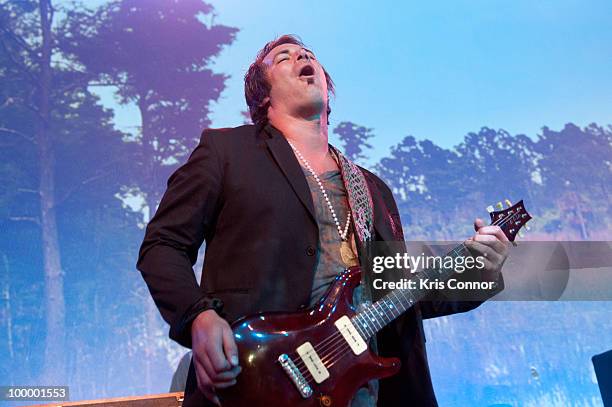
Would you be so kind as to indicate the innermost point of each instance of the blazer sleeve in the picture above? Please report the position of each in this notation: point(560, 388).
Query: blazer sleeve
point(186, 214)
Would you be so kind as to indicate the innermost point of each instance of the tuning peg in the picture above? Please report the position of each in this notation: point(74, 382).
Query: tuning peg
point(490, 208)
point(499, 206)
point(508, 203)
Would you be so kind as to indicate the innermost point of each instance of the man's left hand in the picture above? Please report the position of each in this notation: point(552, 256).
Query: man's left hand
point(491, 243)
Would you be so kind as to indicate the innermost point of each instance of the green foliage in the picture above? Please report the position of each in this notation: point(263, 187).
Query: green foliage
point(562, 176)
point(354, 139)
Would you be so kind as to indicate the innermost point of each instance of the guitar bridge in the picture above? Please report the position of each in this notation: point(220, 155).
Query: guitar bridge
point(294, 374)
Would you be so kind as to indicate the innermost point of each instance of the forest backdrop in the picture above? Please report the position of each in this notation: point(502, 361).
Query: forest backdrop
point(76, 193)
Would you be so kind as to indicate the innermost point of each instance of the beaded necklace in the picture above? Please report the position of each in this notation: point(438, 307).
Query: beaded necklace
point(346, 251)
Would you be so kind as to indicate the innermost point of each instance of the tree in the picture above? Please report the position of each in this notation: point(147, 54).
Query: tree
point(30, 62)
point(426, 181)
point(499, 165)
point(58, 144)
point(157, 55)
point(576, 173)
point(355, 139)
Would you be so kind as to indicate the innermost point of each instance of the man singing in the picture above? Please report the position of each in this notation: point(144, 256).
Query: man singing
point(282, 213)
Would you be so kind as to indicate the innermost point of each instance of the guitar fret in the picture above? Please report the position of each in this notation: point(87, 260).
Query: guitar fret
point(379, 314)
point(375, 316)
point(358, 328)
point(365, 325)
point(390, 307)
point(383, 314)
point(357, 322)
point(374, 319)
point(399, 302)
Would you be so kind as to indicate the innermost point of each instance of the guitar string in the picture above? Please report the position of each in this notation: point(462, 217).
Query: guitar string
point(366, 322)
point(343, 350)
point(361, 326)
point(331, 358)
point(321, 346)
point(339, 351)
point(334, 352)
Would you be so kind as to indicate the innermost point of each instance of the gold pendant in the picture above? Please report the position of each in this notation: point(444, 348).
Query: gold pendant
point(348, 256)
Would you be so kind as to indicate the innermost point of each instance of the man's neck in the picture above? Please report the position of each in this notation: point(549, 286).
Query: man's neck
point(308, 136)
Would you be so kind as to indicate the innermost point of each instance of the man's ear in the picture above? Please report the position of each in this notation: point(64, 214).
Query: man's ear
point(265, 101)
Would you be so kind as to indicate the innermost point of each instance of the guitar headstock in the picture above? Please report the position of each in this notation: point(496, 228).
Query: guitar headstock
point(511, 219)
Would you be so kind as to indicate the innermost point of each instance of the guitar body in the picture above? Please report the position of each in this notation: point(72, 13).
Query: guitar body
point(262, 338)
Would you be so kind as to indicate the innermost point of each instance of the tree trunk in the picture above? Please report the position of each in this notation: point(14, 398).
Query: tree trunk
point(151, 312)
point(584, 233)
point(6, 298)
point(53, 366)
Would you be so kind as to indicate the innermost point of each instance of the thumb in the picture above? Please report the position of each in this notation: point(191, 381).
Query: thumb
point(229, 347)
point(478, 223)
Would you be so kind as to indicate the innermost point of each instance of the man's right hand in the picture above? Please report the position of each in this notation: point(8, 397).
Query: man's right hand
point(215, 355)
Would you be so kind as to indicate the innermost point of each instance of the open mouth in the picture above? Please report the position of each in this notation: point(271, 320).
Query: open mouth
point(307, 71)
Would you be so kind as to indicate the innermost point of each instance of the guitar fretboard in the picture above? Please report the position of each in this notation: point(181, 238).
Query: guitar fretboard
point(373, 317)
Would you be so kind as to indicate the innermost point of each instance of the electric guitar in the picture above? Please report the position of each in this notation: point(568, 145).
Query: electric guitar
point(320, 357)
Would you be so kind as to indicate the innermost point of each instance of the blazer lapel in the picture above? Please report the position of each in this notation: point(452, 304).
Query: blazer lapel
point(289, 165)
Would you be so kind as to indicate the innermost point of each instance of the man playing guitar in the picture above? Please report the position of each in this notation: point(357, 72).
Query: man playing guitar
point(282, 213)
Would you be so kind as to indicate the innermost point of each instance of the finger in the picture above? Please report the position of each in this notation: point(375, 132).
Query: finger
point(478, 223)
point(481, 249)
point(493, 261)
point(495, 231)
point(226, 376)
point(202, 370)
point(491, 247)
point(229, 346)
point(492, 242)
point(208, 367)
point(214, 351)
point(205, 384)
point(218, 377)
point(225, 384)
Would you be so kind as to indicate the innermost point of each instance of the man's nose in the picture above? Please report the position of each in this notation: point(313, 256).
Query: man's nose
point(303, 54)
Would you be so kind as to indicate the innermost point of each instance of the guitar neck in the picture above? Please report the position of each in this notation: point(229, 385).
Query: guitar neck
point(373, 317)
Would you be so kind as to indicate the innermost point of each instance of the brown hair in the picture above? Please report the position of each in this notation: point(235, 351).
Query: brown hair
point(257, 88)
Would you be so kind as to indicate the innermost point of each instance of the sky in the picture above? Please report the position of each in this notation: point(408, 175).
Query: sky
point(435, 70)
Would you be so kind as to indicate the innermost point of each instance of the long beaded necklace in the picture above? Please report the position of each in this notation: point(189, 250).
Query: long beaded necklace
point(346, 251)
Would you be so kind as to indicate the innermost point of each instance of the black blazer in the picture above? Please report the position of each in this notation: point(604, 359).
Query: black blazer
point(243, 191)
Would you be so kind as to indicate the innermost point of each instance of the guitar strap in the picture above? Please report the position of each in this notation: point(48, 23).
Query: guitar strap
point(359, 197)
point(362, 209)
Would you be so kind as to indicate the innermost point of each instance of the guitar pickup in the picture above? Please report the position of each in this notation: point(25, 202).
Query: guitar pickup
point(350, 335)
point(313, 362)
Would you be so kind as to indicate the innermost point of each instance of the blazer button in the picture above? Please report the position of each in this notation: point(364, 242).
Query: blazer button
point(310, 251)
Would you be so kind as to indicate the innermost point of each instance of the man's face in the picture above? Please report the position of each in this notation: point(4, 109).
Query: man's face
point(297, 81)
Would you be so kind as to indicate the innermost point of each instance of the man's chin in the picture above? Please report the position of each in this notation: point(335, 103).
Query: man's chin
point(311, 112)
